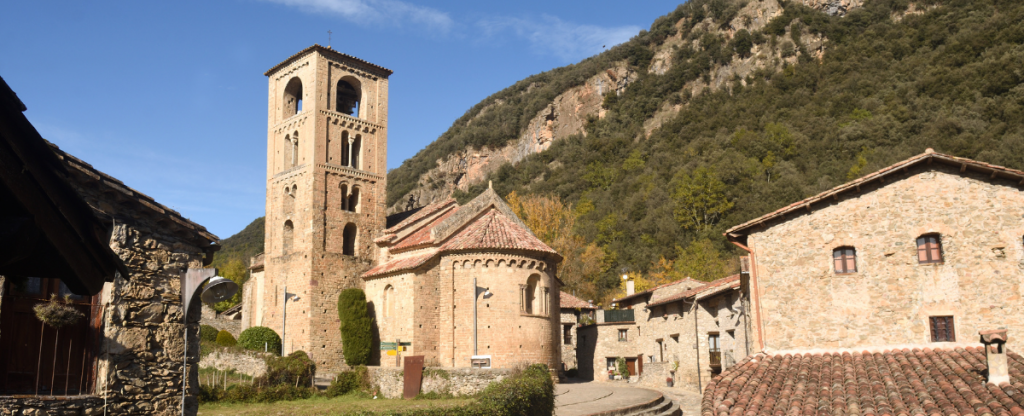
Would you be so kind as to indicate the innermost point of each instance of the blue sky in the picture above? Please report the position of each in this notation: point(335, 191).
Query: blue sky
point(170, 96)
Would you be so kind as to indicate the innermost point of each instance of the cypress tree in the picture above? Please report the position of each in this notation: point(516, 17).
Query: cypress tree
point(356, 327)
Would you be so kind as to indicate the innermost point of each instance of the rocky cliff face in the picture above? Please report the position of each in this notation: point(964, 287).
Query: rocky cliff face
point(568, 112)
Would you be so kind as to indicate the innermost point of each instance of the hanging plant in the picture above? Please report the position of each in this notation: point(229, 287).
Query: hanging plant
point(57, 313)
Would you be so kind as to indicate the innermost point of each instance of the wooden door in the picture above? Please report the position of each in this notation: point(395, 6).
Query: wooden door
point(36, 359)
point(631, 366)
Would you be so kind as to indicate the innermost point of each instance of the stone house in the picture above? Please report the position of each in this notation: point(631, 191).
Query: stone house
point(574, 313)
point(696, 327)
point(423, 291)
point(925, 252)
point(120, 256)
point(327, 231)
point(895, 276)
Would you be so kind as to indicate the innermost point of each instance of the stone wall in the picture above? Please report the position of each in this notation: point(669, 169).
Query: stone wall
point(891, 296)
point(251, 363)
point(51, 405)
point(441, 380)
point(210, 317)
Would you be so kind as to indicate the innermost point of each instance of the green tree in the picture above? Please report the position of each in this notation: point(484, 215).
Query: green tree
point(702, 261)
point(356, 327)
point(700, 199)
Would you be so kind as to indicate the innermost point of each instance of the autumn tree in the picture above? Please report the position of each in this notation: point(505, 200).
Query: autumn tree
point(554, 223)
point(701, 260)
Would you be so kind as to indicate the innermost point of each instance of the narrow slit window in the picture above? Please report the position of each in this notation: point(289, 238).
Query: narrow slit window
point(929, 249)
point(845, 259)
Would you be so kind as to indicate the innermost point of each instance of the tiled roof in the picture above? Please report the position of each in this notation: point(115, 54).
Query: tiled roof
point(493, 230)
point(919, 381)
point(422, 236)
point(402, 264)
point(928, 157)
point(422, 213)
point(650, 291)
point(327, 51)
point(567, 301)
point(711, 288)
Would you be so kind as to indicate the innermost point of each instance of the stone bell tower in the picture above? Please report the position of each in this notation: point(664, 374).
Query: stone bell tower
point(326, 170)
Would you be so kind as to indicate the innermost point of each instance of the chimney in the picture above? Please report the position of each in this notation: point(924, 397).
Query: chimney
point(994, 340)
point(630, 288)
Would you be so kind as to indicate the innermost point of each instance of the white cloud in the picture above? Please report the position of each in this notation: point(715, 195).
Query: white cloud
point(376, 11)
point(553, 36)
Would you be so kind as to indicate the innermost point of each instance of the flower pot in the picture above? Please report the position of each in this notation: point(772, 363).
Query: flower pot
point(669, 383)
point(611, 376)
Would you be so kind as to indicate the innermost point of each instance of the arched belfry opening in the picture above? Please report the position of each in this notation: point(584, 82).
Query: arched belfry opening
point(348, 248)
point(344, 197)
point(353, 200)
point(292, 98)
point(349, 94)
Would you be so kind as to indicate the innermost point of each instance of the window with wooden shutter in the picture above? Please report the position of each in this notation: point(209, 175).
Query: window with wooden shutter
point(929, 249)
point(942, 329)
point(845, 260)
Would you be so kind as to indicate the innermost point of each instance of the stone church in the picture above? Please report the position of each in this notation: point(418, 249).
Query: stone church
point(326, 231)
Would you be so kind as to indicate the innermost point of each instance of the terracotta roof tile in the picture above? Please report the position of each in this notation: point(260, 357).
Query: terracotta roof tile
point(927, 157)
point(422, 236)
point(398, 265)
point(328, 51)
point(567, 301)
point(650, 291)
point(422, 213)
point(711, 288)
point(493, 230)
point(919, 381)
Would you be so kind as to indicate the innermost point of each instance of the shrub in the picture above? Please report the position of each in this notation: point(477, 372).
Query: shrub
point(529, 393)
point(257, 337)
point(267, 394)
point(356, 379)
point(356, 327)
point(224, 338)
point(208, 333)
point(620, 363)
point(294, 370)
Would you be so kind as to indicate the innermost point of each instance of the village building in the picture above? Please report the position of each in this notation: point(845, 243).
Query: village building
point(119, 256)
point(326, 231)
point(575, 313)
point(686, 330)
point(896, 276)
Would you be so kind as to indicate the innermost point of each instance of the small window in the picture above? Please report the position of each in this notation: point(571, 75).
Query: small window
point(348, 246)
point(929, 249)
point(567, 334)
point(942, 329)
point(714, 351)
point(623, 335)
point(611, 363)
point(845, 259)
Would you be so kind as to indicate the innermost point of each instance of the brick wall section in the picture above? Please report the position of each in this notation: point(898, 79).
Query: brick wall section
point(888, 301)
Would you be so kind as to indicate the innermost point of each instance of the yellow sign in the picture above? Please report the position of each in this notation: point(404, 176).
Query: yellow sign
point(392, 352)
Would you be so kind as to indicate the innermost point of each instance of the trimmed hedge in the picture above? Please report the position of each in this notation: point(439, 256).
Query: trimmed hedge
point(255, 338)
point(246, 393)
point(224, 338)
point(356, 327)
point(208, 333)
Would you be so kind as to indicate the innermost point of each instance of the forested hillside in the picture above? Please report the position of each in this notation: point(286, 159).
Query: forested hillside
point(886, 81)
point(232, 260)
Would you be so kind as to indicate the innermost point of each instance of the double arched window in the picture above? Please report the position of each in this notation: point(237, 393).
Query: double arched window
point(349, 200)
point(291, 149)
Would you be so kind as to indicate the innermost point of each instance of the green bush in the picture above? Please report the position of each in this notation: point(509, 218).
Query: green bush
point(258, 337)
point(224, 338)
point(207, 333)
point(620, 363)
point(250, 393)
point(529, 393)
point(356, 327)
point(294, 370)
point(356, 379)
